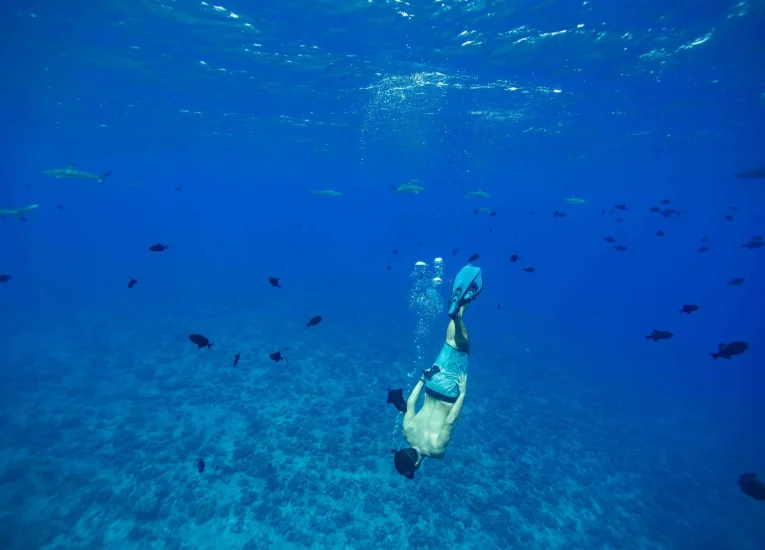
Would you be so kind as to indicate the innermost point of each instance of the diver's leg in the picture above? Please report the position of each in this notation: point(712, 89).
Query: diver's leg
point(456, 333)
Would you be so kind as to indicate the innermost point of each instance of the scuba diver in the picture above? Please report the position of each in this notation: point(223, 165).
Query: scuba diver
point(429, 430)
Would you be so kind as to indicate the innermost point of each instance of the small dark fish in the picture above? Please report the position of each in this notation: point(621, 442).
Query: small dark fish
point(177, 188)
point(277, 356)
point(756, 237)
point(660, 233)
point(132, 282)
point(657, 335)
point(274, 282)
point(514, 258)
point(313, 321)
point(395, 252)
point(620, 247)
point(559, 214)
point(529, 269)
point(728, 217)
point(473, 258)
point(666, 201)
point(655, 209)
point(619, 220)
point(689, 308)
point(27, 186)
point(735, 281)
point(497, 306)
point(703, 249)
point(420, 243)
point(602, 211)
point(59, 207)
point(667, 212)
point(756, 173)
point(199, 464)
point(492, 214)
point(704, 239)
point(751, 486)
point(610, 239)
point(621, 207)
point(236, 359)
point(735, 208)
point(454, 252)
point(753, 244)
point(388, 267)
point(4, 278)
point(396, 398)
point(726, 351)
point(157, 247)
point(200, 341)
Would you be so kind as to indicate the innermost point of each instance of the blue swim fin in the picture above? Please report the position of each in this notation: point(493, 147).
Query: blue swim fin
point(467, 285)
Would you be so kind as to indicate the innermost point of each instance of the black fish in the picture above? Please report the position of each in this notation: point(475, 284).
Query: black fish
point(236, 359)
point(388, 267)
point(4, 278)
point(559, 214)
point(620, 247)
point(660, 233)
point(756, 173)
point(396, 398)
point(704, 239)
point(157, 247)
point(689, 308)
point(454, 252)
point(703, 249)
point(200, 341)
point(657, 335)
point(756, 237)
point(728, 217)
point(735, 281)
point(313, 321)
point(59, 207)
point(497, 307)
point(735, 208)
point(666, 201)
point(277, 356)
point(610, 239)
point(177, 188)
point(751, 486)
point(395, 252)
point(199, 464)
point(473, 258)
point(667, 212)
point(514, 258)
point(132, 282)
point(655, 209)
point(621, 207)
point(274, 282)
point(492, 214)
point(754, 244)
point(619, 220)
point(726, 351)
point(529, 269)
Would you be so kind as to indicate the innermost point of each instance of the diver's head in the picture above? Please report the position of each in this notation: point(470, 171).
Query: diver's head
point(407, 461)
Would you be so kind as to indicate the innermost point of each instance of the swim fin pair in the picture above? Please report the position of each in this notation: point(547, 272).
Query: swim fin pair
point(467, 285)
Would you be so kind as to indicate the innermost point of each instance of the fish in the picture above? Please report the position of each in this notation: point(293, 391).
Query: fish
point(689, 308)
point(619, 220)
point(473, 258)
point(497, 307)
point(71, 173)
point(313, 321)
point(177, 188)
point(756, 237)
point(610, 239)
point(735, 281)
point(326, 193)
point(277, 356)
point(657, 335)
point(753, 244)
point(491, 215)
point(514, 258)
point(704, 239)
point(655, 209)
point(703, 249)
point(529, 269)
point(396, 398)
point(394, 252)
point(483, 211)
point(728, 217)
point(726, 351)
point(132, 282)
point(751, 486)
point(620, 247)
point(454, 252)
point(755, 173)
point(4, 278)
point(236, 359)
point(667, 212)
point(573, 199)
point(200, 341)
point(60, 207)
point(19, 212)
point(559, 214)
point(621, 207)
point(666, 201)
point(388, 268)
point(478, 194)
point(199, 464)
point(157, 247)
point(660, 233)
point(412, 186)
point(274, 282)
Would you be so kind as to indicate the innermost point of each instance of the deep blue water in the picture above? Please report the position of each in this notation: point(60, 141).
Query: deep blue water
point(577, 431)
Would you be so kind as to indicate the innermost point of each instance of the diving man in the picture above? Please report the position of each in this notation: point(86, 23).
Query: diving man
point(429, 430)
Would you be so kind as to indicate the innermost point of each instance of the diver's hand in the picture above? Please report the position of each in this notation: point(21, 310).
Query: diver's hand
point(462, 383)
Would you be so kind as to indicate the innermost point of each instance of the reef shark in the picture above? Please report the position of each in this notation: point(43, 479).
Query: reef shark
point(755, 173)
point(327, 193)
point(412, 186)
point(480, 194)
point(71, 173)
point(19, 213)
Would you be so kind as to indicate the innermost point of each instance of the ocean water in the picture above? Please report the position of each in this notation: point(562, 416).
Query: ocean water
point(217, 122)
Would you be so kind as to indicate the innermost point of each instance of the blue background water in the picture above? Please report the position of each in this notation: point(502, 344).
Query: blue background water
point(577, 431)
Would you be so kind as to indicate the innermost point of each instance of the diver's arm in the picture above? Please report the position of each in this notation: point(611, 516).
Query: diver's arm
point(454, 414)
point(412, 401)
